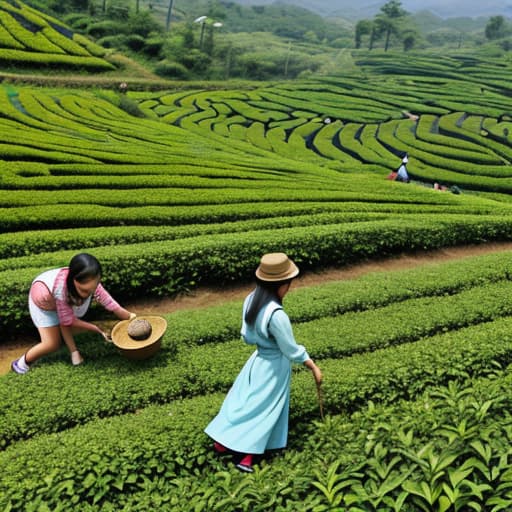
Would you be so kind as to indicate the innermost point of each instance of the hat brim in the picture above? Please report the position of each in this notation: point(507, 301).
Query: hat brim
point(131, 347)
point(292, 272)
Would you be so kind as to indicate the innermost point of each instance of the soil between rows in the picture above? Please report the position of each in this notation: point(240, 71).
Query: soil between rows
point(205, 297)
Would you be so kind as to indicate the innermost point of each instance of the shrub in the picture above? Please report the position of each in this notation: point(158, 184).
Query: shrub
point(135, 42)
point(170, 69)
point(130, 106)
point(153, 46)
point(114, 42)
point(105, 28)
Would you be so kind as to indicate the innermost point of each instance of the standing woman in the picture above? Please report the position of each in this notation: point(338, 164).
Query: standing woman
point(254, 415)
point(58, 298)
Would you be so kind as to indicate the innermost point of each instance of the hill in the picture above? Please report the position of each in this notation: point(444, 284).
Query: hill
point(368, 8)
point(196, 177)
point(29, 38)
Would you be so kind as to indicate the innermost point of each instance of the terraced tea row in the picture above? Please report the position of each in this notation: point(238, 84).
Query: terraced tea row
point(257, 160)
point(385, 349)
point(32, 39)
point(455, 129)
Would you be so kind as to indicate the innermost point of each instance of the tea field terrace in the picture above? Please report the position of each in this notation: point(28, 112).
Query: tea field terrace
point(176, 189)
point(416, 396)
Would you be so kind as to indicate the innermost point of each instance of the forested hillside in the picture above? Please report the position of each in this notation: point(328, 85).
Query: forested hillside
point(201, 39)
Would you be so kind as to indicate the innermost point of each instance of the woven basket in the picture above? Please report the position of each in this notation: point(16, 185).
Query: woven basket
point(139, 349)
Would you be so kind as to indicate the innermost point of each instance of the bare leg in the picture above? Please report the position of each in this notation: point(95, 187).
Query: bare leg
point(50, 342)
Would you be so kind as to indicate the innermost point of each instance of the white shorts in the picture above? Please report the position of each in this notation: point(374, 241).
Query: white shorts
point(41, 317)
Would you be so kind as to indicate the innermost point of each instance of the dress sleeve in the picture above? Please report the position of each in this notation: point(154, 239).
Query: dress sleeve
point(281, 329)
point(105, 299)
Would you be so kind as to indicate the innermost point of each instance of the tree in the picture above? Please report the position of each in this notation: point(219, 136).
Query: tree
point(363, 28)
point(388, 20)
point(496, 28)
point(409, 41)
point(142, 24)
point(376, 33)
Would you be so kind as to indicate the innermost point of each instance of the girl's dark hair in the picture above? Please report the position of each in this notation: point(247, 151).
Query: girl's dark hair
point(82, 267)
point(264, 293)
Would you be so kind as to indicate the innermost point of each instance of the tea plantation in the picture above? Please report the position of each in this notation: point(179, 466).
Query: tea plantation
point(189, 185)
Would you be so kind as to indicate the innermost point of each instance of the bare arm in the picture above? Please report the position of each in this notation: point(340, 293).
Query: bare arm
point(79, 326)
point(124, 314)
point(67, 335)
point(317, 373)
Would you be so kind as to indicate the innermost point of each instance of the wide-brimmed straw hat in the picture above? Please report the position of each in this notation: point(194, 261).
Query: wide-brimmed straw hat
point(138, 348)
point(276, 266)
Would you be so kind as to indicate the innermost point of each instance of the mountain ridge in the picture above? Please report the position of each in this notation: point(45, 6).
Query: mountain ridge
point(368, 8)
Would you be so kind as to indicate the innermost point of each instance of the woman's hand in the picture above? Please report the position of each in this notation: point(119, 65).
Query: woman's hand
point(317, 373)
point(124, 314)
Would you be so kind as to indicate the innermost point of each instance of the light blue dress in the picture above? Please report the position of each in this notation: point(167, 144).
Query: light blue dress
point(254, 415)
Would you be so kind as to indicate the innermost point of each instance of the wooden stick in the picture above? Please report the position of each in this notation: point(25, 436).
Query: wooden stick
point(320, 399)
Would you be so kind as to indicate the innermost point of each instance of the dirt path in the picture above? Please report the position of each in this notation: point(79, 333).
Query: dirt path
point(204, 297)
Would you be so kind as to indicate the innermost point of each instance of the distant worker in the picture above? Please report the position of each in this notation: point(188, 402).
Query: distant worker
point(402, 174)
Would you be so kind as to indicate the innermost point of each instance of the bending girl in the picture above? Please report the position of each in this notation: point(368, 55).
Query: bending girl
point(58, 298)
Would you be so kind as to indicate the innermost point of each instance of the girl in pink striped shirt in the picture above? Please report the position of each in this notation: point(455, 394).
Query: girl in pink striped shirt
point(58, 299)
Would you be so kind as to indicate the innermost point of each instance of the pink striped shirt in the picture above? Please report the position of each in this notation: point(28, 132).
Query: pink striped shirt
point(50, 292)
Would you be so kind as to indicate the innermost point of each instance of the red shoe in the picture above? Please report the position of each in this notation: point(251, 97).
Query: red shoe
point(245, 464)
point(219, 448)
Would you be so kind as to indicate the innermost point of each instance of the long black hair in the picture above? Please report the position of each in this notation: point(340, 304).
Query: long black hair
point(82, 267)
point(265, 292)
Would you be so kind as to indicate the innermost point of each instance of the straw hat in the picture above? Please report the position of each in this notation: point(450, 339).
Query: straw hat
point(133, 348)
point(276, 266)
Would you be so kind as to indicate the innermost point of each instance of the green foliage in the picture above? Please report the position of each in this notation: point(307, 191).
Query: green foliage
point(30, 38)
point(496, 28)
point(228, 258)
point(448, 445)
point(173, 70)
point(130, 107)
point(105, 28)
point(360, 321)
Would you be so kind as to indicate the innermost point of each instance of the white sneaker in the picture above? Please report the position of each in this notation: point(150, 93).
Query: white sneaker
point(76, 358)
point(17, 368)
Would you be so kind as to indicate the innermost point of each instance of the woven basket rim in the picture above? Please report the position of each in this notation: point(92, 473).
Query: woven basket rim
point(123, 340)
